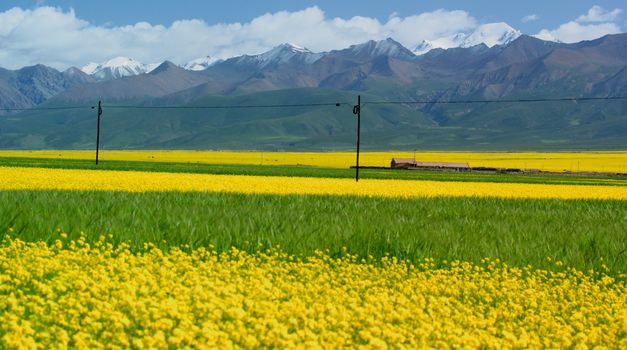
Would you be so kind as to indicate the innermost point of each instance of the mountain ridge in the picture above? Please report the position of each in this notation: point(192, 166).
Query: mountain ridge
point(116, 68)
point(490, 34)
point(383, 70)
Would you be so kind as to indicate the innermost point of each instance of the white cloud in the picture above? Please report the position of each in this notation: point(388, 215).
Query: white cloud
point(530, 18)
point(59, 38)
point(599, 14)
point(573, 32)
point(596, 23)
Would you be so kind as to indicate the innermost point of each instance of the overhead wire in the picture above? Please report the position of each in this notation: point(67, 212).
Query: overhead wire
point(561, 99)
point(45, 108)
point(326, 104)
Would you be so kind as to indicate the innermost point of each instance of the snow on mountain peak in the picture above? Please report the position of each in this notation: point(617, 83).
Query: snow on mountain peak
point(287, 49)
point(121, 62)
point(201, 63)
point(441, 43)
point(281, 54)
point(490, 34)
point(296, 48)
point(90, 68)
point(117, 67)
point(387, 47)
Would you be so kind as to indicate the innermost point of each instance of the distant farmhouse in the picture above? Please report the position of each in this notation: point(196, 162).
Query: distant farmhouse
point(409, 163)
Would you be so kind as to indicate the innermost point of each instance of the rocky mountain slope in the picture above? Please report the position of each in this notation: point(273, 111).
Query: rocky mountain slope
point(31, 86)
point(524, 67)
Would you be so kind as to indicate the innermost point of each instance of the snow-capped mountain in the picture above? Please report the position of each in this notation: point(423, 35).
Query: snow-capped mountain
point(490, 34)
point(117, 68)
point(388, 47)
point(90, 68)
point(281, 54)
point(440, 43)
point(200, 63)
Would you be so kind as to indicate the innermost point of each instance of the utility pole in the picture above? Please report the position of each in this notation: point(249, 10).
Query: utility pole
point(357, 111)
point(98, 130)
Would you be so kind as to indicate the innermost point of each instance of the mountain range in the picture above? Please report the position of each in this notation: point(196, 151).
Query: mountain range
point(119, 67)
point(509, 65)
point(490, 34)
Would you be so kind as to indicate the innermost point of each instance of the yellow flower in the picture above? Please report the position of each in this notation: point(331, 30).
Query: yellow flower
point(135, 181)
point(610, 161)
point(107, 296)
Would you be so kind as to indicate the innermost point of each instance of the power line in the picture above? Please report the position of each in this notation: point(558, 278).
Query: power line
point(562, 99)
point(45, 108)
point(326, 104)
point(356, 109)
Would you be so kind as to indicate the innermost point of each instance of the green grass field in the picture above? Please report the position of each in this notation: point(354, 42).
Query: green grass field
point(520, 232)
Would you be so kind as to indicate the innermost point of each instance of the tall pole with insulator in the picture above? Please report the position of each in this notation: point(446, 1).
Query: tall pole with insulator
point(98, 131)
point(357, 112)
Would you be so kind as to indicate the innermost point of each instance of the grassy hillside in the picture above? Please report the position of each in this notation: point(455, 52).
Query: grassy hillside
point(532, 126)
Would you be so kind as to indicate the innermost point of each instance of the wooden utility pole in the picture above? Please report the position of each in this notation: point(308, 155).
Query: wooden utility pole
point(357, 111)
point(98, 130)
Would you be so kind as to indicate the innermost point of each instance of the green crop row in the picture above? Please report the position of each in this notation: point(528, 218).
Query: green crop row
point(582, 234)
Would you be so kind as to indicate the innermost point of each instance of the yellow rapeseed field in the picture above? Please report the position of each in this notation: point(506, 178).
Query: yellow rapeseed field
point(609, 161)
point(71, 295)
point(135, 181)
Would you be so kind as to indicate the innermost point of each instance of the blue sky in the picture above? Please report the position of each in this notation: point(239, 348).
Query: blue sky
point(120, 12)
point(62, 33)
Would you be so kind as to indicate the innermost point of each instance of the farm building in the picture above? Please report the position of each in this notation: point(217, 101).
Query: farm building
point(409, 163)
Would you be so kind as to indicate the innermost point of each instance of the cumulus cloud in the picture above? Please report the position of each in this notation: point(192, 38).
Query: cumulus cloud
point(596, 23)
point(530, 18)
point(599, 14)
point(60, 38)
point(573, 32)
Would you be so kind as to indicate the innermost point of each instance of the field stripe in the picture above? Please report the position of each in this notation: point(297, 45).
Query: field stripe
point(135, 181)
point(601, 161)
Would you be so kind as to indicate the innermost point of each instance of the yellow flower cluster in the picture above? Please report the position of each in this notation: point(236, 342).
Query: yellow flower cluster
point(135, 181)
point(71, 294)
point(550, 161)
